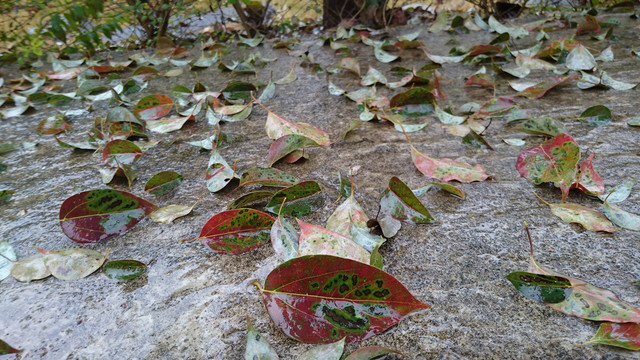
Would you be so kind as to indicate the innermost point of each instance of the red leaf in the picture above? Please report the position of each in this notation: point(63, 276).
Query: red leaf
point(537, 91)
point(447, 169)
point(102, 69)
point(153, 107)
point(323, 298)
point(589, 181)
point(96, 215)
point(555, 160)
point(236, 231)
point(590, 26)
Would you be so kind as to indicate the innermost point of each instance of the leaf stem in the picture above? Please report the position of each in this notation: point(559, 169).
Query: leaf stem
point(541, 199)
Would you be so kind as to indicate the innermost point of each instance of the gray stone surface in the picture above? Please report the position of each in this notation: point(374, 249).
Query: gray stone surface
point(192, 303)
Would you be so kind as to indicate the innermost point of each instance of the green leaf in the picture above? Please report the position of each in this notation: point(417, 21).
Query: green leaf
point(590, 219)
point(266, 177)
point(7, 349)
point(607, 80)
point(580, 59)
point(541, 126)
point(286, 145)
point(284, 239)
point(219, 173)
point(153, 107)
point(596, 115)
point(52, 125)
point(542, 288)
point(383, 56)
point(257, 346)
point(277, 127)
point(451, 189)
point(626, 336)
point(620, 217)
point(249, 198)
point(163, 182)
point(299, 200)
point(289, 78)
point(398, 203)
point(124, 269)
point(5, 195)
point(447, 118)
point(619, 193)
point(331, 351)
point(72, 264)
point(251, 42)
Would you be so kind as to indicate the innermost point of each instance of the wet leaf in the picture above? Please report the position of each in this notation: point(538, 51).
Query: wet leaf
point(537, 91)
point(555, 160)
point(52, 125)
point(580, 59)
point(331, 351)
point(277, 127)
point(72, 264)
point(299, 200)
point(219, 173)
point(342, 298)
point(589, 181)
point(31, 268)
point(286, 145)
point(284, 239)
point(622, 218)
point(120, 152)
point(163, 182)
point(288, 79)
point(619, 193)
point(7, 349)
point(626, 336)
point(542, 288)
point(257, 346)
point(153, 107)
point(371, 352)
point(541, 126)
point(446, 59)
point(95, 215)
point(124, 270)
point(596, 115)
point(169, 213)
point(236, 231)
point(249, 198)
point(447, 169)
point(168, 124)
point(7, 258)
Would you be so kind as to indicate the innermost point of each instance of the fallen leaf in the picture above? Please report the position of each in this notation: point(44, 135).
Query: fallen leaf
point(124, 270)
point(371, 352)
point(257, 346)
point(626, 335)
point(163, 182)
point(447, 169)
point(331, 351)
point(297, 200)
point(72, 264)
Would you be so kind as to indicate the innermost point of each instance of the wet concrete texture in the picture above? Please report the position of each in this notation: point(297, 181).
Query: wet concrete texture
point(192, 303)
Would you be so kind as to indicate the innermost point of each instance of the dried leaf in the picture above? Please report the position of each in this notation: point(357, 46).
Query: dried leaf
point(72, 264)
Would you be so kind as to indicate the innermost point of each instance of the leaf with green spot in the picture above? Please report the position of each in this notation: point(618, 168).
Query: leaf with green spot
point(7, 259)
point(266, 177)
point(416, 102)
point(482, 80)
point(537, 91)
point(169, 213)
point(72, 264)
point(250, 198)
point(349, 215)
point(548, 289)
point(95, 215)
point(219, 173)
point(590, 219)
point(619, 193)
point(153, 107)
point(30, 268)
point(555, 160)
point(277, 127)
point(287, 145)
point(589, 181)
point(376, 258)
point(257, 346)
point(284, 239)
point(236, 231)
point(495, 106)
point(626, 335)
point(400, 203)
point(541, 126)
point(371, 352)
point(52, 125)
point(7, 349)
point(6, 195)
point(622, 218)
point(120, 152)
point(299, 200)
point(451, 189)
point(475, 140)
point(163, 182)
point(124, 270)
point(333, 298)
point(580, 59)
point(331, 351)
point(447, 169)
point(596, 115)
